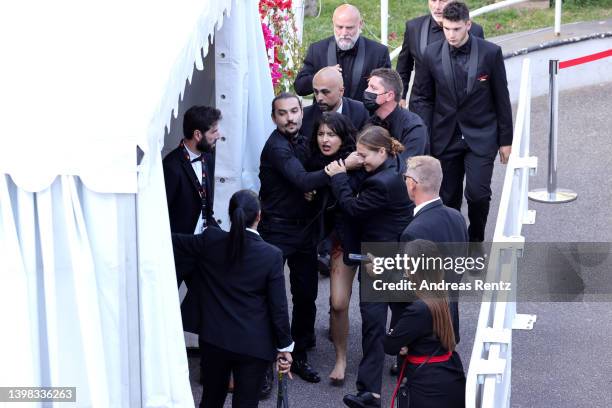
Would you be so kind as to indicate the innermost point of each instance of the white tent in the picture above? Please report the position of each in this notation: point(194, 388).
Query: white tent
point(88, 293)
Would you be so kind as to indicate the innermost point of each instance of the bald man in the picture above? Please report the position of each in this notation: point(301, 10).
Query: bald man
point(328, 89)
point(353, 55)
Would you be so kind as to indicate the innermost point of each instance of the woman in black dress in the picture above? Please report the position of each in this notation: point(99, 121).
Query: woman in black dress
point(424, 335)
point(333, 139)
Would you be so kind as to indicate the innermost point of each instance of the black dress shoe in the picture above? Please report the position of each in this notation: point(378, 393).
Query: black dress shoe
point(266, 387)
point(363, 399)
point(305, 371)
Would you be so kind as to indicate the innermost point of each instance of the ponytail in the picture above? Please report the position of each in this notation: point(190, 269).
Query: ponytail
point(396, 147)
point(243, 210)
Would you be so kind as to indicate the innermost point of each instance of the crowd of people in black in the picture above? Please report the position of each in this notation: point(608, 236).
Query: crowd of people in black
point(356, 166)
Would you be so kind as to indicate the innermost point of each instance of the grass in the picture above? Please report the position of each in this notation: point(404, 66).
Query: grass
point(494, 23)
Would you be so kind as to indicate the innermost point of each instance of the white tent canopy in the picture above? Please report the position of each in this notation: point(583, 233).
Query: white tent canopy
point(87, 284)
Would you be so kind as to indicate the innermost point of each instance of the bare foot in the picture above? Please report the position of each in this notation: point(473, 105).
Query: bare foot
point(337, 373)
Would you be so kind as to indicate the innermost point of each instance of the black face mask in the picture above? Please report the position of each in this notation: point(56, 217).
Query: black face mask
point(369, 101)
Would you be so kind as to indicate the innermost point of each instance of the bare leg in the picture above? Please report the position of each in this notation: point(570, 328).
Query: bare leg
point(341, 281)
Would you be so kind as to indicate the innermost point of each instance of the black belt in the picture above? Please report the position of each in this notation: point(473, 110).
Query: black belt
point(285, 221)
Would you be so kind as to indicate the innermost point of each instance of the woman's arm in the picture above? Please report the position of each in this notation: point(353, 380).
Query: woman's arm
point(277, 303)
point(414, 323)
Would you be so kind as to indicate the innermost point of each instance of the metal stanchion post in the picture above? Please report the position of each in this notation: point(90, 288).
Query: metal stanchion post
point(552, 194)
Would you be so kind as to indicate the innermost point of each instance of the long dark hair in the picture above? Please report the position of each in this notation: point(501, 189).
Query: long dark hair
point(340, 125)
point(436, 300)
point(243, 209)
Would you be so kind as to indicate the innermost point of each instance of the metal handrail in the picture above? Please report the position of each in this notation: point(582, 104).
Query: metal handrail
point(488, 382)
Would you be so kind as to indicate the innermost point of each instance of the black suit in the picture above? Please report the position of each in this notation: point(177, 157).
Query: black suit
point(352, 109)
point(184, 208)
point(244, 317)
point(356, 64)
point(438, 223)
point(184, 204)
point(382, 209)
point(419, 33)
point(287, 222)
point(464, 98)
point(409, 129)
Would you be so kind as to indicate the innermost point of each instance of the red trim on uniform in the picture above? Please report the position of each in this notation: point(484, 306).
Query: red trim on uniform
point(432, 359)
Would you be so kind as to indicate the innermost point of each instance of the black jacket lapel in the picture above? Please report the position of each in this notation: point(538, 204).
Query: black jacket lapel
point(448, 70)
point(331, 53)
point(424, 35)
point(473, 65)
point(358, 67)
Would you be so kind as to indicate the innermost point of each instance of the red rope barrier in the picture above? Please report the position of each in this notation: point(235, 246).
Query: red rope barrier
point(585, 59)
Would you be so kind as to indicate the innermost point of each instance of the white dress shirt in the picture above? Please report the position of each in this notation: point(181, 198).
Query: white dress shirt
point(197, 168)
point(420, 206)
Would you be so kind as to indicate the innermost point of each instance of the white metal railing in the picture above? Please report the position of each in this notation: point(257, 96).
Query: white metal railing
point(488, 382)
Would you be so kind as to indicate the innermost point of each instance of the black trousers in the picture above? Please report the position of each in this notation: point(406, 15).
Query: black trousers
point(373, 330)
point(458, 161)
point(300, 253)
point(217, 364)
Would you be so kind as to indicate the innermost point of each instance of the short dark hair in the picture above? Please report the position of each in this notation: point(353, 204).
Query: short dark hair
point(391, 81)
point(284, 95)
point(456, 11)
point(200, 118)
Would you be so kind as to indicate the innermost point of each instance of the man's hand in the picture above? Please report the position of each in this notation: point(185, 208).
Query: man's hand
point(403, 103)
point(283, 363)
point(369, 266)
point(504, 154)
point(403, 351)
point(335, 167)
point(309, 196)
point(353, 161)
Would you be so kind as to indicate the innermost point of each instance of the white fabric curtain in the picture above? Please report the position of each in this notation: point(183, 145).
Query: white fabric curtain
point(71, 299)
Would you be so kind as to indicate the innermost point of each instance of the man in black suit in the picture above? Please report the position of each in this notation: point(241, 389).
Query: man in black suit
point(287, 219)
point(382, 98)
point(463, 93)
point(328, 89)
point(347, 51)
point(419, 33)
point(189, 172)
point(433, 221)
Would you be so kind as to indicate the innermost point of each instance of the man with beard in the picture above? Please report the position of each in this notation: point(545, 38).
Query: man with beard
point(420, 32)
point(382, 98)
point(286, 220)
point(328, 88)
point(348, 51)
point(189, 172)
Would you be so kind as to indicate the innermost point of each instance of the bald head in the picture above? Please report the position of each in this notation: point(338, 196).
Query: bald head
point(328, 88)
point(347, 26)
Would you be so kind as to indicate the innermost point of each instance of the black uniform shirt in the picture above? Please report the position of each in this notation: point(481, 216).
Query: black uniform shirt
point(284, 179)
point(345, 60)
